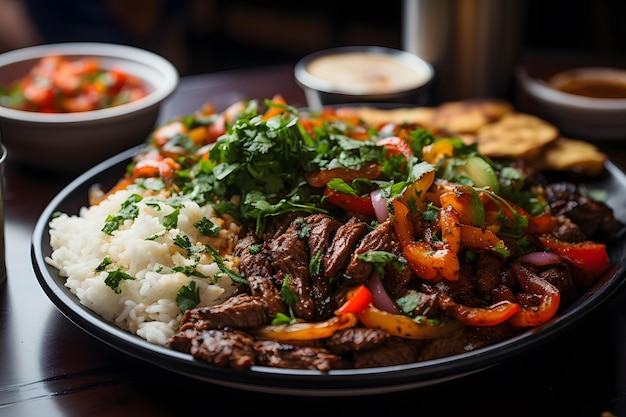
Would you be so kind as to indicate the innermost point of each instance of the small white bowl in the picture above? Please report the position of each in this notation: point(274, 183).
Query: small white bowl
point(363, 74)
point(578, 116)
point(76, 141)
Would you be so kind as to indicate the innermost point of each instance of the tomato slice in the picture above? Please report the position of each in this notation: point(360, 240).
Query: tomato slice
point(396, 145)
point(362, 205)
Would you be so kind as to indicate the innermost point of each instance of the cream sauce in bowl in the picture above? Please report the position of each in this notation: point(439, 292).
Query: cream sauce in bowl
point(372, 74)
point(366, 73)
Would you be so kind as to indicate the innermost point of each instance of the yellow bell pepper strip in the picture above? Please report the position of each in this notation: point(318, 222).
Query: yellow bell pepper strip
point(358, 300)
point(407, 327)
point(438, 150)
point(414, 194)
point(550, 299)
point(479, 316)
point(588, 256)
point(307, 330)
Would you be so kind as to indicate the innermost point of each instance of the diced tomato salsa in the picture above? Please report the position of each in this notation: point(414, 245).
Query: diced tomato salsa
point(57, 84)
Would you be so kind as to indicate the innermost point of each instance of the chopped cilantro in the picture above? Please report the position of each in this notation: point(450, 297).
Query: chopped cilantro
point(184, 242)
point(114, 278)
point(188, 296)
point(207, 227)
point(170, 221)
point(105, 262)
point(381, 258)
point(128, 211)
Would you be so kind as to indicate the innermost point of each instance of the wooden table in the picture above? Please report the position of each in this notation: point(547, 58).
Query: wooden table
point(49, 367)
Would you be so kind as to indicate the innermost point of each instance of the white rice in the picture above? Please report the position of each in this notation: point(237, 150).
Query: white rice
point(147, 304)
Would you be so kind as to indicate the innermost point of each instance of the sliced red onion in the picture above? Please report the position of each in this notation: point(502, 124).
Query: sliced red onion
point(380, 205)
point(540, 258)
point(382, 300)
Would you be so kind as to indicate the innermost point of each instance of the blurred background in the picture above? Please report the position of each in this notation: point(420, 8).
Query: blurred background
point(212, 35)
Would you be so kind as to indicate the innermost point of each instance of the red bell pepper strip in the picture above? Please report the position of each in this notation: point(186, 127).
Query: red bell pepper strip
point(319, 179)
point(358, 204)
point(358, 300)
point(589, 256)
point(479, 316)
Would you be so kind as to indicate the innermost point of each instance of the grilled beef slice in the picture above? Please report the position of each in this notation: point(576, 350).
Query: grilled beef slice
point(342, 246)
point(238, 312)
point(290, 260)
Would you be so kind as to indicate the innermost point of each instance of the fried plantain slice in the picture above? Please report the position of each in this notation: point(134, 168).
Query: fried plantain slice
point(516, 135)
point(376, 116)
point(567, 154)
point(468, 116)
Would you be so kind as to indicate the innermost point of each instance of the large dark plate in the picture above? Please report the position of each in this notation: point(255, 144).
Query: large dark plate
point(299, 382)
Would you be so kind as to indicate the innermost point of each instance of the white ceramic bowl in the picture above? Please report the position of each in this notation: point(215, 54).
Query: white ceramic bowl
point(363, 74)
point(76, 141)
point(576, 115)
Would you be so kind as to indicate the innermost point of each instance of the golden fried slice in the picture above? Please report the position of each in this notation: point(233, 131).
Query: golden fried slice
point(516, 135)
point(375, 116)
point(566, 154)
point(467, 116)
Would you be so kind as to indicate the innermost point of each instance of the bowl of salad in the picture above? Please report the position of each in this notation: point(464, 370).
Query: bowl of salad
point(68, 106)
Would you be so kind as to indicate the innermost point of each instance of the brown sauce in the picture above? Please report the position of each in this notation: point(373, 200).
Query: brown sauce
point(594, 88)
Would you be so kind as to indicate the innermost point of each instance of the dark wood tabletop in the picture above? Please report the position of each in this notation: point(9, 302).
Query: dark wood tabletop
point(50, 367)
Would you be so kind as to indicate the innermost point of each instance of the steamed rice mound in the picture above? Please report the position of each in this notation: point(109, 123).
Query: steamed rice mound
point(145, 305)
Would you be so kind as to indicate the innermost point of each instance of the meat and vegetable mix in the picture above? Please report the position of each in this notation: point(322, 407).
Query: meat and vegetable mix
point(367, 244)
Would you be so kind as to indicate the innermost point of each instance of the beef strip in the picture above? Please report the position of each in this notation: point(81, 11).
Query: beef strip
point(240, 312)
point(425, 304)
point(395, 351)
point(224, 348)
point(281, 355)
point(394, 279)
point(289, 259)
point(342, 246)
point(379, 239)
point(594, 218)
point(469, 339)
point(355, 339)
point(252, 260)
point(254, 265)
point(265, 289)
point(321, 229)
point(487, 271)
